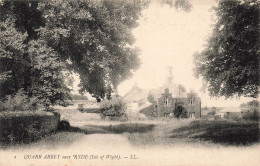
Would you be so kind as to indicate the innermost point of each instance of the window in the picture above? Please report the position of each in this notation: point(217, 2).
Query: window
point(166, 101)
point(191, 101)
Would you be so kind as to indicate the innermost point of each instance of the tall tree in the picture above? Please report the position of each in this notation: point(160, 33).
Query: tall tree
point(91, 38)
point(95, 38)
point(42, 40)
point(229, 64)
point(31, 66)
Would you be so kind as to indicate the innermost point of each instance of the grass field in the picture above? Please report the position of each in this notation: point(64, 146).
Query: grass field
point(199, 131)
point(157, 142)
point(167, 131)
point(221, 131)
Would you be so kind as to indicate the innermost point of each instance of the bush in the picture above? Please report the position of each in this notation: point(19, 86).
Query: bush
point(250, 111)
point(212, 111)
point(252, 115)
point(180, 112)
point(64, 125)
point(113, 107)
point(78, 97)
point(19, 102)
point(26, 126)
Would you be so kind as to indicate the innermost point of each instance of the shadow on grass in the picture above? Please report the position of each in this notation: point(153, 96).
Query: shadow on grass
point(71, 134)
point(221, 131)
point(113, 129)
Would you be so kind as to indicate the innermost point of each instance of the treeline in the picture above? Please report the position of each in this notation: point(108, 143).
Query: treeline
point(78, 97)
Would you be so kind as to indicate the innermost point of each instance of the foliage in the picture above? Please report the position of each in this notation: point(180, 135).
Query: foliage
point(212, 111)
point(26, 126)
point(113, 107)
point(150, 111)
point(150, 98)
point(43, 39)
point(31, 66)
point(250, 111)
point(184, 5)
point(95, 37)
point(181, 88)
point(19, 102)
point(12, 64)
point(78, 97)
point(229, 63)
point(180, 111)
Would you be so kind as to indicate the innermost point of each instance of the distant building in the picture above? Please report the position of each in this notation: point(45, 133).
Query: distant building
point(230, 112)
point(166, 105)
point(165, 101)
point(136, 99)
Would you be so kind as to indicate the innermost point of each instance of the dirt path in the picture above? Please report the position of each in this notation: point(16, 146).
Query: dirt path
point(117, 149)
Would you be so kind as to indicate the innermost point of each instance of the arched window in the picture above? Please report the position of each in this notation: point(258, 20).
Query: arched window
point(166, 101)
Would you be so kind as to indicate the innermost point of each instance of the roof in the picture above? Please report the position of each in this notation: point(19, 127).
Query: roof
point(135, 94)
point(138, 94)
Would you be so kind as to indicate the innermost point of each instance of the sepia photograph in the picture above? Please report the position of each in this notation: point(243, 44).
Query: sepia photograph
point(129, 82)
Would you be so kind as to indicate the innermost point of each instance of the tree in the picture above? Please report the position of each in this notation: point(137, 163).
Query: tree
point(180, 111)
point(78, 97)
point(213, 111)
point(114, 107)
point(181, 89)
point(91, 38)
point(11, 54)
point(150, 98)
point(250, 110)
point(95, 36)
point(184, 5)
point(229, 63)
point(43, 41)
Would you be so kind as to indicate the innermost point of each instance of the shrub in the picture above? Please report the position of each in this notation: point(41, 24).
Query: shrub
point(250, 111)
point(150, 111)
point(252, 115)
point(113, 107)
point(212, 111)
point(26, 126)
point(180, 111)
point(64, 125)
point(78, 97)
point(19, 102)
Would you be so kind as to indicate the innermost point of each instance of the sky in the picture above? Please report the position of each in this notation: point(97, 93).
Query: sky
point(169, 38)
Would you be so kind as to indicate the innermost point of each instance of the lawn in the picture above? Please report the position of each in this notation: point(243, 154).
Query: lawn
point(221, 131)
point(199, 131)
point(168, 131)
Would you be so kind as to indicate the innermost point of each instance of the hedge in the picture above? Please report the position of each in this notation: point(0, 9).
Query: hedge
point(26, 126)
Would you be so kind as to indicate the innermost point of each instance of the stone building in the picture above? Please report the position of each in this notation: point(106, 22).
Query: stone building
point(165, 100)
point(167, 104)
